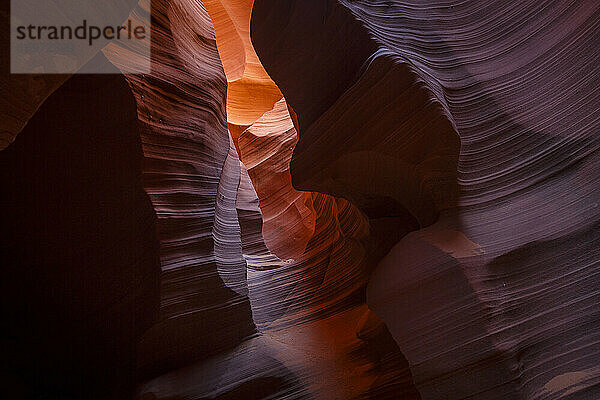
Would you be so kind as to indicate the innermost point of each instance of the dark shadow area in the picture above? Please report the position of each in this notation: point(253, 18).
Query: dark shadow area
point(254, 389)
point(78, 243)
point(394, 380)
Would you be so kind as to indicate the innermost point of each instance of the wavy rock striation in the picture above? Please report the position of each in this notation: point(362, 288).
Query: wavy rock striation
point(191, 173)
point(312, 306)
point(461, 141)
point(288, 215)
point(480, 121)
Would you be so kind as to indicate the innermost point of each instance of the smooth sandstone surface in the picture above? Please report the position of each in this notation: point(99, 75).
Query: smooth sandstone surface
point(250, 91)
point(288, 215)
point(417, 218)
point(493, 296)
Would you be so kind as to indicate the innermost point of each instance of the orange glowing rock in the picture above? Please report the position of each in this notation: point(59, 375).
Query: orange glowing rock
point(250, 92)
point(266, 149)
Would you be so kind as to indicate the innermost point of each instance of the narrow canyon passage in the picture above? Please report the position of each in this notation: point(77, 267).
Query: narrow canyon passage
point(308, 256)
point(309, 199)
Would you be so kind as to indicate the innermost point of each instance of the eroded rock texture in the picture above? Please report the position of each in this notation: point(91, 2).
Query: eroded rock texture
point(311, 301)
point(107, 198)
point(250, 91)
point(191, 172)
point(312, 305)
point(288, 215)
point(417, 218)
point(479, 121)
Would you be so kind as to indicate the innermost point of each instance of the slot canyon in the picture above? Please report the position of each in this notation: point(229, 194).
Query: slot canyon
point(308, 199)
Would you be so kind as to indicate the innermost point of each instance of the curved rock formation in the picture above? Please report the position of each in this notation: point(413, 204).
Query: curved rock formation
point(417, 218)
point(492, 298)
point(250, 217)
point(316, 299)
point(409, 144)
point(288, 215)
point(191, 173)
point(250, 91)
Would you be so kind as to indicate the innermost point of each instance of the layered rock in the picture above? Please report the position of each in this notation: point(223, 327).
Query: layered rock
point(320, 239)
point(311, 307)
point(313, 298)
point(288, 215)
point(180, 184)
point(255, 250)
point(191, 173)
point(250, 91)
point(475, 120)
point(472, 125)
